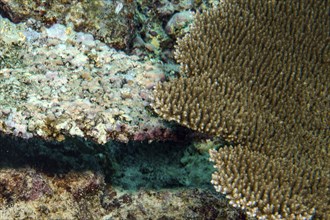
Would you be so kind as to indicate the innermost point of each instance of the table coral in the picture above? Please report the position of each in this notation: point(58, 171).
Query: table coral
point(256, 73)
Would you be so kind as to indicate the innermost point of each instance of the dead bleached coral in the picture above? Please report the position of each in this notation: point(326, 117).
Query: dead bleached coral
point(68, 83)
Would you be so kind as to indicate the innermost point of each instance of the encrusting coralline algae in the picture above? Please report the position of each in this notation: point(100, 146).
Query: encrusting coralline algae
point(68, 84)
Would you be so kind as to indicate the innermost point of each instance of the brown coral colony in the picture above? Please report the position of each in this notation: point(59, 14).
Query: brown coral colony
point(252, 73)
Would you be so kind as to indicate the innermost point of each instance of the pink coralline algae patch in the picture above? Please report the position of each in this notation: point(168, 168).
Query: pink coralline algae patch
point(81, 185)
point(36, 187)
point(155, 134)
point(68, 84)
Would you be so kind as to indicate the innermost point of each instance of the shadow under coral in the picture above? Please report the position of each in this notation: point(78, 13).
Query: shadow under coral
point(84, 180)
point(128, 166)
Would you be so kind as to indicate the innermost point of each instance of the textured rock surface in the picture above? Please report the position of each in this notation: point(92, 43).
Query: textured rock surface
point(151, 19)
point(77, 179)
point(108, 21)
point(115, 23)
point(68, 84)
point(86, 196)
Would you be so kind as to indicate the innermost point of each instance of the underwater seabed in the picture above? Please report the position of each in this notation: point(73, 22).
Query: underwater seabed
point(158, 178)
point(77, 179)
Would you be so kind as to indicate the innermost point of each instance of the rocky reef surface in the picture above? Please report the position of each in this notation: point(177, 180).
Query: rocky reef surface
point(86, 196)
point(77, 179)
point(146, 28)
point(59, 82)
